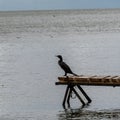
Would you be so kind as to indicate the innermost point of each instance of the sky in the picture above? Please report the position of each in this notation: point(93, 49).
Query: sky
point(6, 5)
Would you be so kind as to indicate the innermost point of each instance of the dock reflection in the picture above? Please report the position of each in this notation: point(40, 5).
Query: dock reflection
point(83, 114)
point(69, 114)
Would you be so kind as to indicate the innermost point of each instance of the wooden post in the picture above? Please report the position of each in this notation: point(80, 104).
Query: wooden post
point(84, 93)
point(78, 96)
point(68, 99)
point(65, 97)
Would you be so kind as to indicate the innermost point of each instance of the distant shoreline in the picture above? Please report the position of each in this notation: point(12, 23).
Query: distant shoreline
point(101, 9)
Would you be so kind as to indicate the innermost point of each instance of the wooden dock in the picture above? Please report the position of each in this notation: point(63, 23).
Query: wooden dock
point(75, 82)
point(90, 80)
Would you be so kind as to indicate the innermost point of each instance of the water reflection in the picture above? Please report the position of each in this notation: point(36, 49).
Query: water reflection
point(70, 114)
point(83, 114)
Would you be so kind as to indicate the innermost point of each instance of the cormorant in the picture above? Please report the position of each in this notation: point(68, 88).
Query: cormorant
point(64, 66)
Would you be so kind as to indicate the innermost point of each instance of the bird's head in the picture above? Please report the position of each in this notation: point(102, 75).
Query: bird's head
point(59, 56)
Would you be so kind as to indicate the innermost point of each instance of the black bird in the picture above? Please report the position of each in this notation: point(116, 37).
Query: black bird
point(64, 66)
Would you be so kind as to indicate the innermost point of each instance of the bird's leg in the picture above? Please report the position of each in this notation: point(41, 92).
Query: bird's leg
point(65, 74)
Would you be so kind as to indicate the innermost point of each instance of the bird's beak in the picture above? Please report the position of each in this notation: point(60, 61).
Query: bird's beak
point(56, 56)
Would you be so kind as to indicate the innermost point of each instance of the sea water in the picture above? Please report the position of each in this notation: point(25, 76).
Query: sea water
point(88, 40)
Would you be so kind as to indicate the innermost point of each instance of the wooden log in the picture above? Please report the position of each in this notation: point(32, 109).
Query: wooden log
point(90, 80)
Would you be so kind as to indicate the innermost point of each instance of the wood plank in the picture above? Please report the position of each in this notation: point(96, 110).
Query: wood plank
point(87, 84)
point(90, 80)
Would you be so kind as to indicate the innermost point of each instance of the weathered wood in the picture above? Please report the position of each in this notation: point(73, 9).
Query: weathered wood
point(90, 80)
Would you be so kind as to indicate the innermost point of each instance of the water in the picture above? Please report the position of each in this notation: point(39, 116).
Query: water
point(89, 41)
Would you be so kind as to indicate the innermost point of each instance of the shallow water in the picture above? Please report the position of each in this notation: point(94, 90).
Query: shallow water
point(29, 70)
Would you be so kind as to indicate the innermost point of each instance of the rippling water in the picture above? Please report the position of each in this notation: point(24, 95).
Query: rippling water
point(89, 41)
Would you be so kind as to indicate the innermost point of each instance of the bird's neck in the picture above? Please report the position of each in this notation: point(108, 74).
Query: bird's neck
point(60, 60)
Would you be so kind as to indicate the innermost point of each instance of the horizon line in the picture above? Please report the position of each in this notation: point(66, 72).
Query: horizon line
point(20, 10)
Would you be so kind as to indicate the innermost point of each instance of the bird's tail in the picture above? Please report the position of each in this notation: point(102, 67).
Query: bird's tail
point(75, 74)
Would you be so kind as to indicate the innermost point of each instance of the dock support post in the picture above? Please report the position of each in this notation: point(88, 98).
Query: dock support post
point(68, 93)
point(65, 97)
point(68, 99)
point(84, 93)
point(78, 96)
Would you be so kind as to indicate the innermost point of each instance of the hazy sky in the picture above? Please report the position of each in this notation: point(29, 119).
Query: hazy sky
point(57, 4)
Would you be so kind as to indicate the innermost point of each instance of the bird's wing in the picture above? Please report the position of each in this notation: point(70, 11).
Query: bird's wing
point(65, 67)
